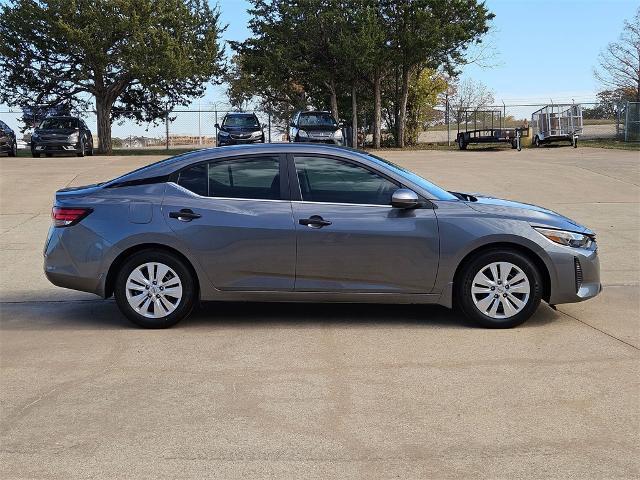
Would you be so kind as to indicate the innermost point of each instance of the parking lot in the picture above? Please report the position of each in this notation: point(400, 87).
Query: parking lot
point(327, 391)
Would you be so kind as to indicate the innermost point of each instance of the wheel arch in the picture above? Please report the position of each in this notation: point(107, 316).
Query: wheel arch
point(117, 263)
point(529, 253)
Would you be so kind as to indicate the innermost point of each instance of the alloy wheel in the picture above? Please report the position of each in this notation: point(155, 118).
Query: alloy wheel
point(500, 290)
point(154, 290)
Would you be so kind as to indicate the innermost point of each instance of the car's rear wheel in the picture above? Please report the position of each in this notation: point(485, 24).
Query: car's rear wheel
point(14, 149)
point(155, 289)
point(499, 289)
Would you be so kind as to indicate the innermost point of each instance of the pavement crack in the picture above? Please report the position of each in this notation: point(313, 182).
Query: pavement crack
point(599, 330)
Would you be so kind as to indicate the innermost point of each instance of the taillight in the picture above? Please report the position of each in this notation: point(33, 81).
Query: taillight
point(65, 217)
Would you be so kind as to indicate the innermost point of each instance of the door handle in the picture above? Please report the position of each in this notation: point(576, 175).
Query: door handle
point(184, 215)
point(314, 221)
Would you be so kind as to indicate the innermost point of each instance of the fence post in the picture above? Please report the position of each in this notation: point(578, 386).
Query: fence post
point(166, 127)
point(447, 119)
point(215, 113)
point(269, 123)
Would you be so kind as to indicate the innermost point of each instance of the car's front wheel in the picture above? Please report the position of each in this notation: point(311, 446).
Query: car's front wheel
point(155, 289)
point(499, 289)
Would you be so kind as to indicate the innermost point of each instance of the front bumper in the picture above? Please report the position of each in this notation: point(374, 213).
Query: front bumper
point(577, 275)
point(239, 141)
point(54, 147)
point(325, 140)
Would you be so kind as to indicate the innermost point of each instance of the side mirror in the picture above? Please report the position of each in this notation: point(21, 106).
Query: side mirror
point(404, 198)
point(217, 126)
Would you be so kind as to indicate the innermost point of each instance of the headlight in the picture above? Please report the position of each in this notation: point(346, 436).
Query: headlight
point(34, 136)
point(569, 239)
point(222, 133)
point(337, 134)
point(73, 138)
point(302, 133)
point(257, 134)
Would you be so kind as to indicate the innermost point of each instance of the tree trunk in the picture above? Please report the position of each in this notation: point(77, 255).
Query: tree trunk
point(377, 110)
point(402, 117)
point(103, 112)
point(354, 117)
point(334, 100)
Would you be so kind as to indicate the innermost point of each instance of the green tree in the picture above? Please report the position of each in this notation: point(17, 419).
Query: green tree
point(424, 93)
point(430, 33)
point(135, 58)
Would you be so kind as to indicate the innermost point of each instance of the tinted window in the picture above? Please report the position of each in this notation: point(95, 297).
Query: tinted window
point(240, 121)
point(257, 178)
point(316, 120)
point(59, 123)
point(331, 180)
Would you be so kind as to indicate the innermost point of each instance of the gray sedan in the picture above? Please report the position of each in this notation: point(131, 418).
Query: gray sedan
point(311, 223)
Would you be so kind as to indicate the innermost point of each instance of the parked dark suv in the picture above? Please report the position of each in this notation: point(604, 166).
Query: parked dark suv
point(315, 127)
point(239, 128)
point(62, 135)
point(8, 142)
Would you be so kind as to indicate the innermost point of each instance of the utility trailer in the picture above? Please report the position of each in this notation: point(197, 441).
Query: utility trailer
point(486, 126)
point(557, 122)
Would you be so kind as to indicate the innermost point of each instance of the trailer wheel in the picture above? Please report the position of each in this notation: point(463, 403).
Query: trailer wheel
point(536, 141)
point(461, 143)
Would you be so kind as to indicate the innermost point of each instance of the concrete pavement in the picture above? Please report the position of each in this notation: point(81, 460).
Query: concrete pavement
point(326, 391)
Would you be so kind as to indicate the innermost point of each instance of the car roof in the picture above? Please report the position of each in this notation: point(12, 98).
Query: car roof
point(172, 164)
point(65, 117)
point(241, 114)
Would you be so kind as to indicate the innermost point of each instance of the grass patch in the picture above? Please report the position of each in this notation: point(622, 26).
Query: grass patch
point(609, 143)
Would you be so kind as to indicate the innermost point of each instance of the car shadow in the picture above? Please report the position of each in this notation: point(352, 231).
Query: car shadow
point(104, 314)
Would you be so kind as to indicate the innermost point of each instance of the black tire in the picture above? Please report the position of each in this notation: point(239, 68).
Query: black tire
point(189, 288)
point(575, 143)
point(462, 145)
point(82, 151)
point(536, 141)
point(14, 150)
point(514, 144)
point(90, 152)
point(464, 282)
point(35, 155)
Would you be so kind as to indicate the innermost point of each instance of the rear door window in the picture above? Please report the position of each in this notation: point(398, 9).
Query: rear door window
point(251, 178)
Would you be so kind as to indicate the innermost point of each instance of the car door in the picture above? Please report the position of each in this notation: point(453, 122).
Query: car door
point(235, 217)
point(5, 137)
point(350, 239)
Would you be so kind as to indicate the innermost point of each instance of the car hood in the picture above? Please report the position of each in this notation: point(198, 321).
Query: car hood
point(524, 211)
point(241, 129)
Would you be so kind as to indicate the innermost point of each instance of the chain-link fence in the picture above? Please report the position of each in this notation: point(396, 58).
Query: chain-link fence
point(629, 122)
point(179, 129)
point(195, 128)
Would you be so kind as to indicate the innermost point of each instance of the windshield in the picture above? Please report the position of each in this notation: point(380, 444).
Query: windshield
point(240, 121)
point(316, 120)
point(436, 191)
point(59, 123)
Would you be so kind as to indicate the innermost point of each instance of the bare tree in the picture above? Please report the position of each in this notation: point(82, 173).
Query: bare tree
point(469, 94)
point(619, 63)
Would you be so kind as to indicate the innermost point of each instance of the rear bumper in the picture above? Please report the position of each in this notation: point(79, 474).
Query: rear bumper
point(75, 260)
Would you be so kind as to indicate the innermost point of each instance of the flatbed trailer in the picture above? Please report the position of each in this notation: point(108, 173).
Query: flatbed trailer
point(487, 127)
